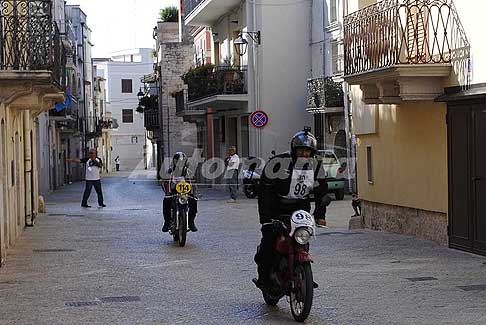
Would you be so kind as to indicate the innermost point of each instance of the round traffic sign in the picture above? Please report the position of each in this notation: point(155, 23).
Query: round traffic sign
point(259, 119)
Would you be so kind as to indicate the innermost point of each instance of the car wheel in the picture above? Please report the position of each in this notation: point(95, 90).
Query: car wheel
point(339, 194)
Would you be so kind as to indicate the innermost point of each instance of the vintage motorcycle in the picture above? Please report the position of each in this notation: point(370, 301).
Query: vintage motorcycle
point(251, 180)
point(291, 273)
point(180, 209)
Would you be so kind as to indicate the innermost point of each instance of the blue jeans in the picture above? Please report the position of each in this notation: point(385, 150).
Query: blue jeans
point(233, 183)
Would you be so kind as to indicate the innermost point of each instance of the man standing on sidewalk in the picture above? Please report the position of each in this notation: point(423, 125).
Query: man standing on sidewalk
point(232, 165)
point(117, 163)
point(93, 170)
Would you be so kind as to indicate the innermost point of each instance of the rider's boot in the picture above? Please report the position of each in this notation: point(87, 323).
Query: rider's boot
point(263, 280)
point(167, 224)
point(192, 224)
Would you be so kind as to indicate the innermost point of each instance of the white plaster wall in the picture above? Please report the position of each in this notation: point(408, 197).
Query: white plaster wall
point(471, 14)
point(131, 154)
point(317, 44)
point(284, 64)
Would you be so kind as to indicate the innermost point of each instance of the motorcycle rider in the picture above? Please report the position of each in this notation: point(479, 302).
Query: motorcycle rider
point(285, 187)
point(179, 171)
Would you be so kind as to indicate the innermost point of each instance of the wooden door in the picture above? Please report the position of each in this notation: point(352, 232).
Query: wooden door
point(467, 177)
point(478, 179)
point(460, 220)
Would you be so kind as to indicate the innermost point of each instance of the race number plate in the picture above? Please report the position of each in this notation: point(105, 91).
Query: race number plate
point(183, 187)
point(300, 219)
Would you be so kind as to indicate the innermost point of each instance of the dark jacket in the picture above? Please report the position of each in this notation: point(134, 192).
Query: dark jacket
point(282, 191)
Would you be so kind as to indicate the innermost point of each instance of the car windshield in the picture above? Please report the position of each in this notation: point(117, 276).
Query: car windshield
point(328, 158)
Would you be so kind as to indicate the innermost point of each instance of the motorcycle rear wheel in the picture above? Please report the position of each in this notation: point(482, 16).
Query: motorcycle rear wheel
point(182, 228)
point(302, 292)
point(250, 191)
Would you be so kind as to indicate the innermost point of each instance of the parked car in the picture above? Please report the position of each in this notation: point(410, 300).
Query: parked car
point(334, 172)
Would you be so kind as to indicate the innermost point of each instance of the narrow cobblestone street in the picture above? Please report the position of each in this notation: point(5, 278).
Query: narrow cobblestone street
point(113, 265)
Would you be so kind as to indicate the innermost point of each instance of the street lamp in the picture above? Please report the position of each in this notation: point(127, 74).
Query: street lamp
point(241, 44)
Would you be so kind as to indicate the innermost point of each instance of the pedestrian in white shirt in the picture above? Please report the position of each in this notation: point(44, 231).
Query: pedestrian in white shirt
point(93, 178)
point(232, 166)
point(117, 163)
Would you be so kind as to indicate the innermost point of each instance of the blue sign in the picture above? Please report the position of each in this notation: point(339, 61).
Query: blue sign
point(259, 119)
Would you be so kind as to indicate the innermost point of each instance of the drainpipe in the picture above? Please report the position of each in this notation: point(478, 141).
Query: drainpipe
point(29, 217)
point(350, 152)
point(324, 120)
point(85, 108)
point(256, 78)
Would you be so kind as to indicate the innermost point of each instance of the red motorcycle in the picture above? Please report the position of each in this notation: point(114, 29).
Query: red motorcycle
point(291, 273)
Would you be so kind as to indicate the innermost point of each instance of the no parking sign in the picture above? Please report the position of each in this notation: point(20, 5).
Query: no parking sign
point(259, 119)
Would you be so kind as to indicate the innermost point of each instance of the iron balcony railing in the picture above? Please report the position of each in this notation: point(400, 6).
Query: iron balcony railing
point(222, 80)
point(30, 39)
point(324, 93)
point(190, 5)
point(394, 32)
point(151, 119)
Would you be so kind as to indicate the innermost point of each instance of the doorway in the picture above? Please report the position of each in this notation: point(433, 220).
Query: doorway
point(467, 176)
point(3, 194)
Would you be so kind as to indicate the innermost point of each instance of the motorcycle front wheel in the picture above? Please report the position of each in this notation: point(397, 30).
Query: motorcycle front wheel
point(182, 227)
point(302, 292)
point(175, 232)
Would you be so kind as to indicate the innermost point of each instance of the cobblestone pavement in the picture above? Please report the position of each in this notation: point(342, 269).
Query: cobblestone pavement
point(113, 265)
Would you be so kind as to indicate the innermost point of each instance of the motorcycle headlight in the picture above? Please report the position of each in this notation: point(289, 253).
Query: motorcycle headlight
point(302, 236)
point(183, 199)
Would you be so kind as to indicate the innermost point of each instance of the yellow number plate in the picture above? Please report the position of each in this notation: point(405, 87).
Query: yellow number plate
point(183, 187)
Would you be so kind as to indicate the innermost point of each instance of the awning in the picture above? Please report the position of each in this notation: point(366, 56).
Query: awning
point(455, 94)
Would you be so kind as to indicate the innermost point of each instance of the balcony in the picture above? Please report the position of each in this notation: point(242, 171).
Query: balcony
point(151, 119)
point(70, 113)
point(31, 42)
point(189, 114)
point(400, 50)
point(324, 96)
point(108, 122)
point(207, 12)
point(219, 87)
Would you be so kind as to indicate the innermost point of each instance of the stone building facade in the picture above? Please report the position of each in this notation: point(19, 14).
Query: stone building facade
point(175, 57)
point(24, 95)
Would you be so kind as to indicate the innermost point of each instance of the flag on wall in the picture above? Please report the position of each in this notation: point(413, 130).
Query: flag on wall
point(61, 106)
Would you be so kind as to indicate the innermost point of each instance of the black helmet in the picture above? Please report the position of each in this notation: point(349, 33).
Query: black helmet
point(178, 157)
point(303, 139)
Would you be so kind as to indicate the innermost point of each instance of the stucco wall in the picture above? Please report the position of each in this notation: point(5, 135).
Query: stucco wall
point(284, 65)
point(131, 152)
point(409, 157)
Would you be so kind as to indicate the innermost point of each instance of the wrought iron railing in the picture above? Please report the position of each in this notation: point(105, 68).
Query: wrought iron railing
point(222, 80)
point(324, 93)
point(394, 32)
point(151, 119)
point(190, 5)
point(30, 39)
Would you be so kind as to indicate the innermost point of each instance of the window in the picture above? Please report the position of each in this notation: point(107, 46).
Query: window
point(333, 11)
point(134, 139)
point(127, 115)
point(369, 162)
point(127, 86)
point(336, 58)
